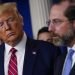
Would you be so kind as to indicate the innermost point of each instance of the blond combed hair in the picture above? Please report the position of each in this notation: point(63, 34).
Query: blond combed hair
point(10, 6)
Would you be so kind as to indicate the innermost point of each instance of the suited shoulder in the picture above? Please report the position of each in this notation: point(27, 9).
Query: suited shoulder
point(2, 46)
point(44, 47)
point(41, 44)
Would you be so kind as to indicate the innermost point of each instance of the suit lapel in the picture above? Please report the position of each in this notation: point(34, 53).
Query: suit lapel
point(29, 59)
point(2, 48)
point(60, 62)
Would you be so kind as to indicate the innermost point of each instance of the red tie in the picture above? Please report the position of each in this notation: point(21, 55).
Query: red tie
point(12, 67)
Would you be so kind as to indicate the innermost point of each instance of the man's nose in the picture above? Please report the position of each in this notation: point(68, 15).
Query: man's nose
point(7, 25)
point(51, 28)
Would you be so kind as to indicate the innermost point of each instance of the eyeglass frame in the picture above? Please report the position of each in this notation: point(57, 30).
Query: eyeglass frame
point(56, 21)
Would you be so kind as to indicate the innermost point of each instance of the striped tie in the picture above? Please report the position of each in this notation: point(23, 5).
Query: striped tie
point(12, 67)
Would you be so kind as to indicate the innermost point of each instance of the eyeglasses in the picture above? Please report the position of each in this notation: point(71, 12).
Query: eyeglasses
point(55, 22)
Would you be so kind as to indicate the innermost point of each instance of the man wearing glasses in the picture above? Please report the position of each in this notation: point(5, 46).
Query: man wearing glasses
point(62, 23)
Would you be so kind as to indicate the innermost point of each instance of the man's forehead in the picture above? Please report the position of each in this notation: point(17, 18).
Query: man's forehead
point(65, 3)
point(6, 12)
point(57, 11)
point(61, 6)
point(6, 15)
point(57, 7)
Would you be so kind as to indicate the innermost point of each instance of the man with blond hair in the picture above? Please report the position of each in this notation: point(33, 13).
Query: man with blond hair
point(20, 55)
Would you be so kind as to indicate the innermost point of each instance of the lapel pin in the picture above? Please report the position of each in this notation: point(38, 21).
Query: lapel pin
point(33, 52)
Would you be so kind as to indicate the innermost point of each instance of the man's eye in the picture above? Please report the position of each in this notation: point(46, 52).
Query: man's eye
point(10, 19)
point(1, 24)
point(58, 21)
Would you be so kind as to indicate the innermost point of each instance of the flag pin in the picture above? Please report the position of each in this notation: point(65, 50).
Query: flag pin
point(33, 52)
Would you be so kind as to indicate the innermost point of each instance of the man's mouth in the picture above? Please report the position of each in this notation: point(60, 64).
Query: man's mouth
point(11, 34)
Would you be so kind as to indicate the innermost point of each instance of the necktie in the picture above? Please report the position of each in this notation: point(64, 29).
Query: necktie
point(68, 63)
point(12, 67)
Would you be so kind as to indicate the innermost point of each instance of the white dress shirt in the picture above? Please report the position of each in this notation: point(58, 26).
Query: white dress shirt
point(20, 55)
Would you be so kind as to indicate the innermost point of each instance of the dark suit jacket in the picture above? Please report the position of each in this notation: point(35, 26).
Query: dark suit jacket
point(58, 67)
point(38, 59)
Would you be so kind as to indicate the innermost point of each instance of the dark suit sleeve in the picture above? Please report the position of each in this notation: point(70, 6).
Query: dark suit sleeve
point(43, 61)
point(58, 64)
point(47, 54)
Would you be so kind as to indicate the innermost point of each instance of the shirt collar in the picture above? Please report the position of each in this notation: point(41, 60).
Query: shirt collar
point(20, 47)
point(73, 47)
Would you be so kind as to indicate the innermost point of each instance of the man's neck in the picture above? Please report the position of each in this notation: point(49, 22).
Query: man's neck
point(71, 43)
